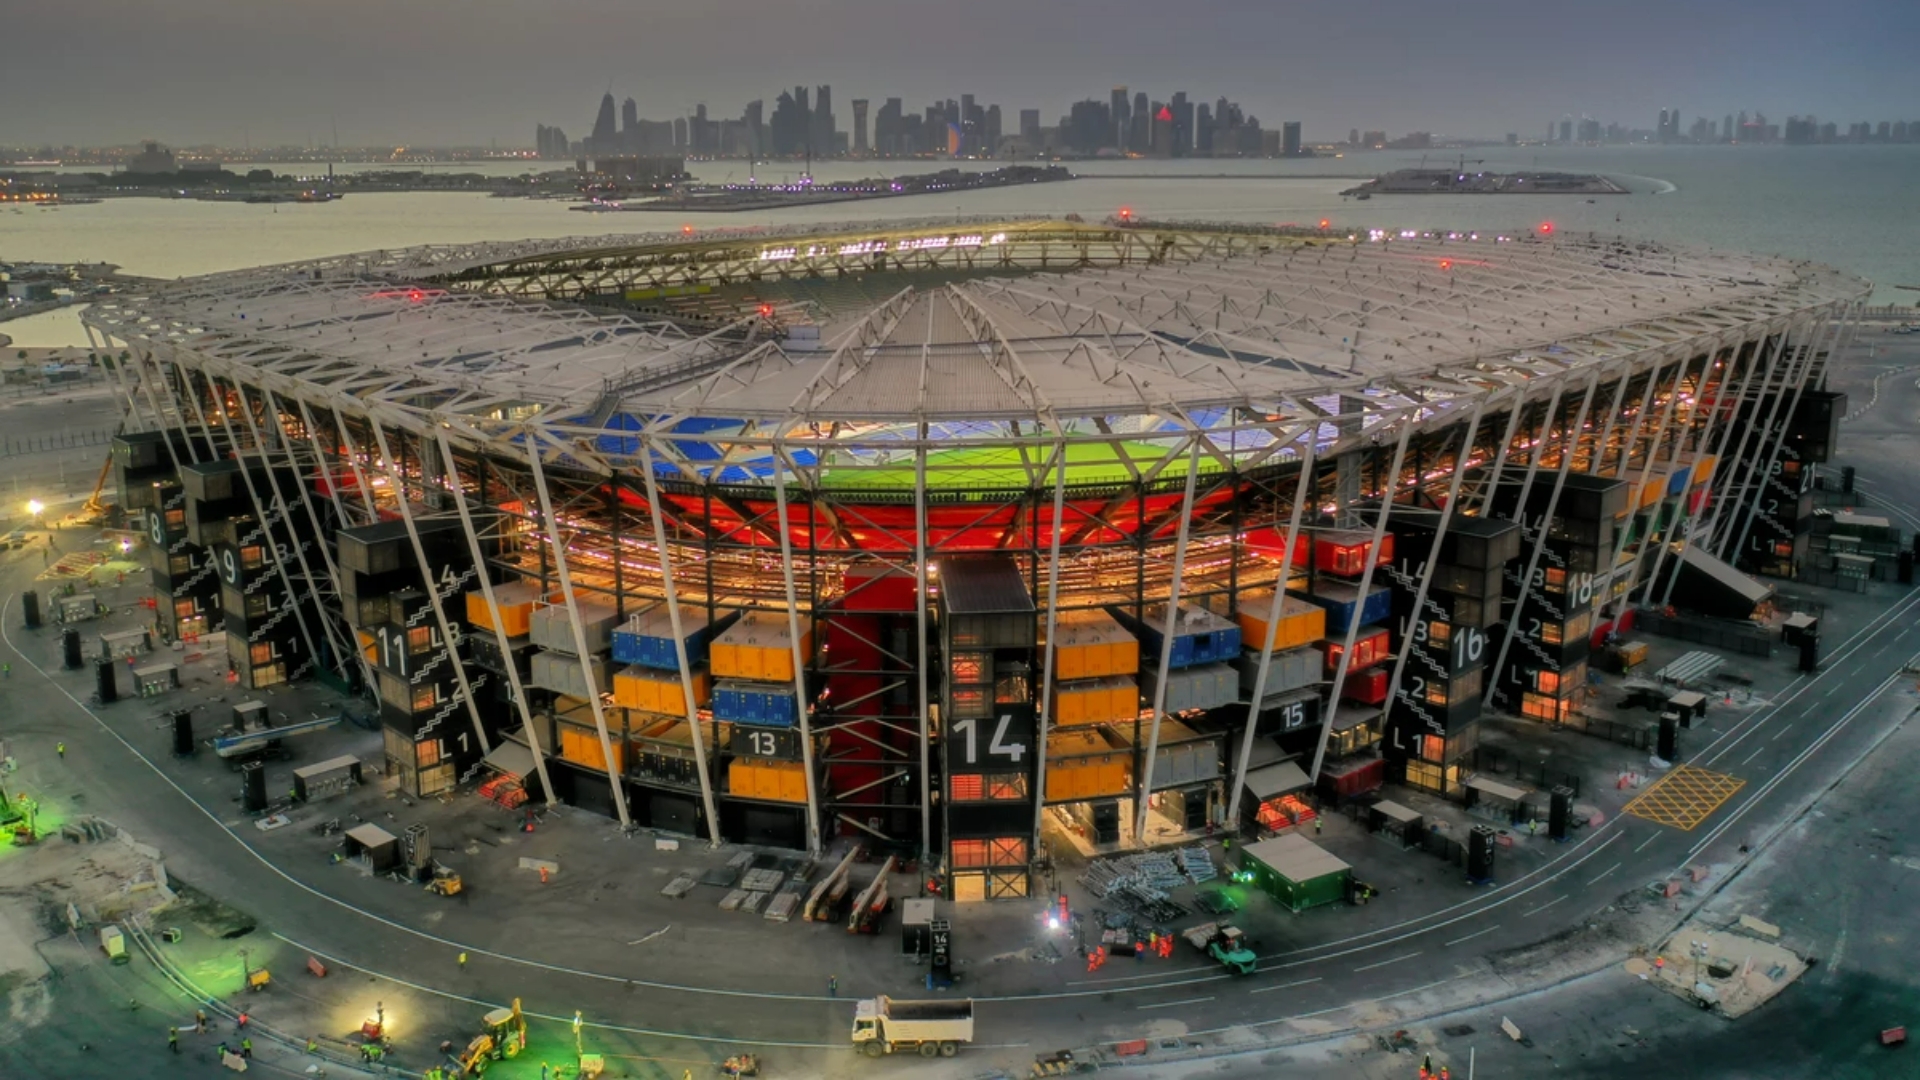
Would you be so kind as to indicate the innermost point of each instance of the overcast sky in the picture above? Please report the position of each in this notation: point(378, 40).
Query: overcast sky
point(446, 72)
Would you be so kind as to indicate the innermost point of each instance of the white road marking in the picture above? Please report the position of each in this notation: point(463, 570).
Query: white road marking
point(1644, 843)
point(1473, 935)
point(1171, 1004)
point(1596, 879)
point(1384, 963)
point(1757, 751)
point(1285, 986)
point(1545, 906)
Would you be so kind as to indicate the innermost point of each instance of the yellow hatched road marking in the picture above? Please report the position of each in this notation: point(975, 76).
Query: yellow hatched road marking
point(1684, 797)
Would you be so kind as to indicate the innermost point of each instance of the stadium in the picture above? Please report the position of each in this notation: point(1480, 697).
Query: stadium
point(968, 539)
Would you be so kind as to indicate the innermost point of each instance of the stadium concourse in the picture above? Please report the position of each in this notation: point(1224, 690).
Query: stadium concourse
point(966, 538)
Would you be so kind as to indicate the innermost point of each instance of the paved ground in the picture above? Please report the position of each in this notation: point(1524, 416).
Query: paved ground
point(1432, 946)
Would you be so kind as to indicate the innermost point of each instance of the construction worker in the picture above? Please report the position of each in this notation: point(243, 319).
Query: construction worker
point(246, 1047)
point(60, 748)
point(200, 1021)
point(242, 1020)
point(313, 1045)
point(463, 961)
point(1318, 820)
point(6, 671)
point(173, 1039)
point(546, 1071)
point(833, 986)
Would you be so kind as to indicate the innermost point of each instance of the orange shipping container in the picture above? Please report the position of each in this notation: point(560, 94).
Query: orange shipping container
point(582, 747)
point(659, 691)
point(1301, 622)
point(1085, 765)
point(777, 781)
point(1092, 645)
point(1095, 701)
point(759, 647)
point(515, 599)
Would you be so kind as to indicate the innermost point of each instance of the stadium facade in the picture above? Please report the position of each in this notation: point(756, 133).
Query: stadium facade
point(950, 535)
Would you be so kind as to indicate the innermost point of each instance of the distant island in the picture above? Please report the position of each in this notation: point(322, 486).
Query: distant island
point(729, 198)
point(1461, 182)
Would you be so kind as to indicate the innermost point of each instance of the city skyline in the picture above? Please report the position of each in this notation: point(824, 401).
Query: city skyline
point(294, 75)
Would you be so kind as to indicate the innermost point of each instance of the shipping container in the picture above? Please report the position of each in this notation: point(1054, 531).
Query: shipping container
point(759, 647)
point(1345, 606)
point(659, 691)
point(552, 627)
point(1301, 622)
point(647, 638)
point(1207, 686)
point(1182, 757)
point(775, 781)
point(581, 745)
point(1092, 645)
point(1368, 687)
point(879, 589)
point(1085, 764)
point(1289, 671)
point(1110, 700)
point(1296, 872)
point(1272, 543)
point(1199, 636)
point(1345, 553)
point(562, 674)
point(768, 704)
point(515, 613)
point(1370, 647)
point(984, 603)
point(663, 749)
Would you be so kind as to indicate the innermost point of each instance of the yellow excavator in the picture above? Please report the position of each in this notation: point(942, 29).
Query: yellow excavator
point(503, 1037)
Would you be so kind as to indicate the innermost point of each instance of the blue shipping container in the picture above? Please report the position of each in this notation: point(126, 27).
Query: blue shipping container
point(1200, 636)
point(767, 704)
point(1341, 600)
point(647, 638)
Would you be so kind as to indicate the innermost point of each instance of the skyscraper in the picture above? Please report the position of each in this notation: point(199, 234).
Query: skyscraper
point(1141, 140)
point(1182, 124)
point(1122, 117)
point(603, 139)
point(1030, 128)
point(1290, 139)
point(990, 132)
point(887, 132)
point(1662, 134)
point(1203, 131)
point(859, 125)
point(822, 130)
point(629, 121)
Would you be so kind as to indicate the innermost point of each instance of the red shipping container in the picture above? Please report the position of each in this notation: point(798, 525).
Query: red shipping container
point(1344, 780)
point(1371, 647)
point(1273, 542)
point(1345, 553)
point(878, 588)
point(1367, 687)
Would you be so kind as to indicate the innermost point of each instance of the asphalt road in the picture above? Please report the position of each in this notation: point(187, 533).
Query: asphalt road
point(1787, 754)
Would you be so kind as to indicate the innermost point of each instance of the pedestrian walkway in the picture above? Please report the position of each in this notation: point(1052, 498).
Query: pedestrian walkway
point(1684, 797)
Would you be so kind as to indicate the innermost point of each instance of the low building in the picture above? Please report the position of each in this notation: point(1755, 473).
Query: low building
point(1298, 873)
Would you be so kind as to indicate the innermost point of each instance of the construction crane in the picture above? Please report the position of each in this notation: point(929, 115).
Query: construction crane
point(872, 902)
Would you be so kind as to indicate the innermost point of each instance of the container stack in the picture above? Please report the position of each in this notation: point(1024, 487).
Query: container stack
point(651, 682)
point(751, 659)
point(1095, 660)
point(1551, 617)
point(1432, 718)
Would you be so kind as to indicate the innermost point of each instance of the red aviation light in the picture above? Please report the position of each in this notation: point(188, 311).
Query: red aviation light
point(1126, 214)
point(1546, 228)
point(1446, 264)
point(686, 230)
point(1325, 224)
point(766, 311)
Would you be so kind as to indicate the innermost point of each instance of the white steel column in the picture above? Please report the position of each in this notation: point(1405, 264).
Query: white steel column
point(1409, 420)
point(1304, 490)
point(1641, 560)
point(1646, 469)
point(920, 643)
point(493, 605)
point(449, 640)
point(1763, 359)
point(269, 550)
point(1144, 789)
point(1447, 514)
point(793, 641)
point(367, 500)
point(321, 459)
point(579, 632)
point(1787, 361)
point(343, 658)
point(1546, 526)
point(679, 634)
point(1045, 712)
point(1779, 440)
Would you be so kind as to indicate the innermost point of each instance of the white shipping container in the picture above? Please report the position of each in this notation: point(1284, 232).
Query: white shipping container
point(561, 673)
point(551, 629)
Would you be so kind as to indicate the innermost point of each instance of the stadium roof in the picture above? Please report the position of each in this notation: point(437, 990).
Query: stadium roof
point(971, 325)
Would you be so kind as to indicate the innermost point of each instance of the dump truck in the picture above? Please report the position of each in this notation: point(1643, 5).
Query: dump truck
point(883, 1025)
point(1226, 944)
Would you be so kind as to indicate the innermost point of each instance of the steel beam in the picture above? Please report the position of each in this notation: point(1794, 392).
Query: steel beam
point(800, 698)
point(1144, 791)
